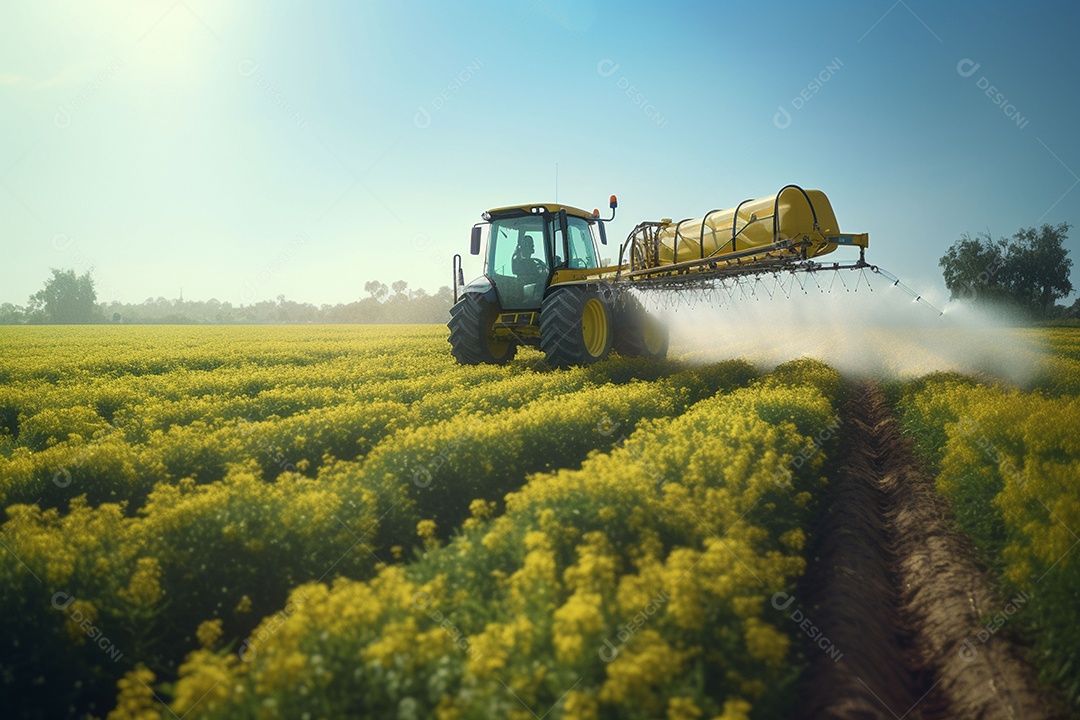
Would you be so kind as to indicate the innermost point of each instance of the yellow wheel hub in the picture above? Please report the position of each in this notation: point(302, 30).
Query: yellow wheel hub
point(594, 327)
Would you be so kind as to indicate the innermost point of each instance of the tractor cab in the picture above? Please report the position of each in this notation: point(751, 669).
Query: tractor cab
point(527, 245)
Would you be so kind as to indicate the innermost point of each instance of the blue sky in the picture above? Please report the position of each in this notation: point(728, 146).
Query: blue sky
point(246, 150)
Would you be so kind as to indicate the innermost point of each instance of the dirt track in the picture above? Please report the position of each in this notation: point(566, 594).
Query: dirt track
point(896, 590)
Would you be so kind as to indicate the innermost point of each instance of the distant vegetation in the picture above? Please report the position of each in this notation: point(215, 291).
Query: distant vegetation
point(1029, 271)
point(70, 299)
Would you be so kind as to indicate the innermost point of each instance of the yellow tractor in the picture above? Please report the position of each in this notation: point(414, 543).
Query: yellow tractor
point(544, 284)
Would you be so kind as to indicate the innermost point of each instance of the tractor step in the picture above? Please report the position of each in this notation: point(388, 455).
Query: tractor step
point(518, 319)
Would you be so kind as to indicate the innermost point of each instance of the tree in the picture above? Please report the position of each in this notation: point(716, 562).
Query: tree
point(1031, 270)
point(399, 287)
point(972, 268)
point(376, 289)
point(11, 314)
point(1073, 311)
point(1039, 271)
point(67, 298)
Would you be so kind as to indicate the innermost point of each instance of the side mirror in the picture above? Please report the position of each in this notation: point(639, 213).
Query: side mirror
point(474, 243)
point(563, 225)
point(603, 233)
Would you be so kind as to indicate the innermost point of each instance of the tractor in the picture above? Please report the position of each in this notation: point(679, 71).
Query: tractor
point(544, 285)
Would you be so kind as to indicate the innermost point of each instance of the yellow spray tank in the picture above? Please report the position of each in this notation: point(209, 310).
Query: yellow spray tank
point(792, 225)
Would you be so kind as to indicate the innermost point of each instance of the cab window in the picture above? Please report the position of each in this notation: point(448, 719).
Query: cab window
point(582, 250)
point(581, 247)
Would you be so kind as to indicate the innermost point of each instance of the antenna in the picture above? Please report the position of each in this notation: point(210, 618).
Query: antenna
point(556, 183)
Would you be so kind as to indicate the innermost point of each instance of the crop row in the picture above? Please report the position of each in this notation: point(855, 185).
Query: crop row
point(637, 586)
point(1008, 462)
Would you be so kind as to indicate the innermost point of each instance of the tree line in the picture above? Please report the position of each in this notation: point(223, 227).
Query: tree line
point(68, 298)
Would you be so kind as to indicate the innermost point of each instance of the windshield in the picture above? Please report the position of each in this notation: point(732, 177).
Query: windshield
point(517, 261)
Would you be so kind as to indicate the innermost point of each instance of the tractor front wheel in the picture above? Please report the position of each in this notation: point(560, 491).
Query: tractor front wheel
point(576, 326)
point(472, 340)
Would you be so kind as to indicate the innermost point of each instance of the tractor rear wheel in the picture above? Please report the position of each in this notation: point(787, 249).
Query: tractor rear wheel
point(576, 326)
point(639, 334)
point(472, 340)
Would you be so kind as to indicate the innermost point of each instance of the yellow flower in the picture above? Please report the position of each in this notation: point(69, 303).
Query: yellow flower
point(497, 536)
point(207, 680)
point(682, 708)
point(596, 567)
point(426, 530)
point(579, 618)
point(209, 633)
point(135, 700)
point(580, 706)
point(482, 509)
point(144, 589)
point(537, 580)
point(497, 643)
point(396, 640)
point(643, 666)
point(793, 539)
point(764, 642)
point(736, 709)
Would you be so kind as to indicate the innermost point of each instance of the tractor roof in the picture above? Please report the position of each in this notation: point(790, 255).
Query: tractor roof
point(511, 210)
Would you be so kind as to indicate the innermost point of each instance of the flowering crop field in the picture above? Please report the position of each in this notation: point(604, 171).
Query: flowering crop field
point(1009, 462)
point(323, 522)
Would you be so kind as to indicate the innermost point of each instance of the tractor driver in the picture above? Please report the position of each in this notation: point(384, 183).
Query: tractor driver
point(523, 264)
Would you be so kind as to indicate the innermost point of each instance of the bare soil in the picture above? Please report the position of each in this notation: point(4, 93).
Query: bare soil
point(897, 590)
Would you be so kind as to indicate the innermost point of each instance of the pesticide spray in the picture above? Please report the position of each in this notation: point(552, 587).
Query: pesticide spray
point(865, 324)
